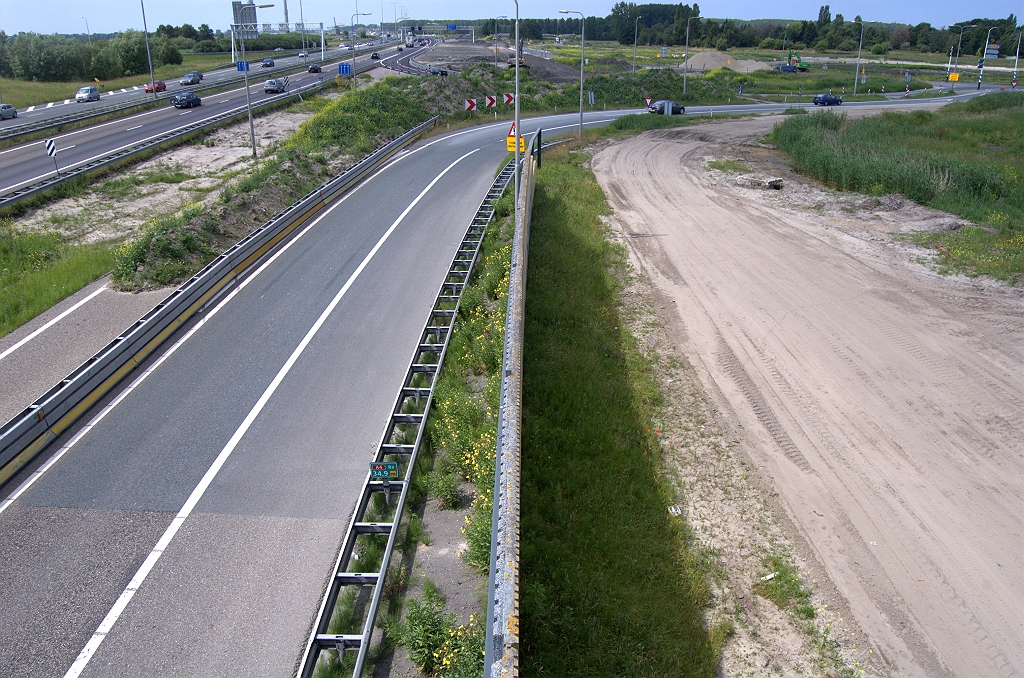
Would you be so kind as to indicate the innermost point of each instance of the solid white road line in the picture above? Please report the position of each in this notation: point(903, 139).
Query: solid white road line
point(50, 324)
point(197, 494)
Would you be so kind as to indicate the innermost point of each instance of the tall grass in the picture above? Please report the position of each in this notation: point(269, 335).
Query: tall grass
point(609, 584)
point(967, 159)
point(37, 270)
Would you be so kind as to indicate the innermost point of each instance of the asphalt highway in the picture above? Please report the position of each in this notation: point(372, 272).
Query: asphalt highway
point(55, 109)
point(28, 163)
point(189, 524)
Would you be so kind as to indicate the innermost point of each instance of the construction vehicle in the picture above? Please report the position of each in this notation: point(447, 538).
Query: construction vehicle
point(794, 63)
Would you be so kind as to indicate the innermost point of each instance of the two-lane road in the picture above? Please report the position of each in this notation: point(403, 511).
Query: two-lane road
point(192, 529)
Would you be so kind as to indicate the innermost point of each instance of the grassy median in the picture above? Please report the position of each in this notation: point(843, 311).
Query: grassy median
point(611, 586)
point(966, 158)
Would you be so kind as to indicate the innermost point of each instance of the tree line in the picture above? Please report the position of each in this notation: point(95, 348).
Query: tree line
point(661, 24)
point(58, 58)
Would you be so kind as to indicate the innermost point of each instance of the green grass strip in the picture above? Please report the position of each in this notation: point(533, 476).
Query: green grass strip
point(610, 585)
point(37, 270)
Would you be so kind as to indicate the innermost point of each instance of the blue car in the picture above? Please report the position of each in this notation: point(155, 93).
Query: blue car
point(827, 100)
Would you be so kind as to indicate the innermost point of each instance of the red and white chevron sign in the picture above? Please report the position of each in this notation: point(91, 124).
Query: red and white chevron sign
point(470, 104)
point(510, 99)
point(491, 101)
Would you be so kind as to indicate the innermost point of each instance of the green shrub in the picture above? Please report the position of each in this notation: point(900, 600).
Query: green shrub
point(444, 486)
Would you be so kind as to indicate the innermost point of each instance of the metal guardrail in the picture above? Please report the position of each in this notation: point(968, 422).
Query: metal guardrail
point(24, 129)
point(501, 642)
point(125, 152)
point(26, 434)
point(408, 420)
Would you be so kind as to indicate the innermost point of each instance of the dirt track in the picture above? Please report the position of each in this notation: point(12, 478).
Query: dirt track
point(886, 402)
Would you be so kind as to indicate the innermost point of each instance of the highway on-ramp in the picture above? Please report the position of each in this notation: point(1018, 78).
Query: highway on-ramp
point(189, 523)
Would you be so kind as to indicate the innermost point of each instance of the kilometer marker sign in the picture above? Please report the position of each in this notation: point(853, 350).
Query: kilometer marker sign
point(470, 104)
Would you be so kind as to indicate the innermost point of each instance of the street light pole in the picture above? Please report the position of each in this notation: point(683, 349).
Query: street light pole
point(302, 18)
point(856, 75)
point(583, 49)
point(636, 25)
point(956, 65)
point(519, 132)
point(1016, 59)
point(145, 32)
point(239, 30)
point(87, 32)
point(503, 16)
point(981, 73)
point(686, 56)
point(354, 83)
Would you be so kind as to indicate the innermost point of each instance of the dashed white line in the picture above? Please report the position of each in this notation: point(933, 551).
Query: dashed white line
point(66, 148)
point(30, 109)
point(49, 105)
point(131, 128)
point(50, 324)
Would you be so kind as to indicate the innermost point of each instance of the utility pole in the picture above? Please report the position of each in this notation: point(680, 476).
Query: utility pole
point(87, 32)
point(956, 65)
point(245, 77)
point(686, 57)
point(149, 58)
point(302, 18)
point(583, 47)
point(1016, 59)
point(856, 75)
point(636, 26)
point(354, 83)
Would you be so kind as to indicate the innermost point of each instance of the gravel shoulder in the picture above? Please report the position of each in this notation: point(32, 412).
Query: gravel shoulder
point(878, 402)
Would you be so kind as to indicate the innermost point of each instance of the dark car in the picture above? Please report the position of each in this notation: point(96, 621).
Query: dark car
point(190, 79)
point(827, 100)
point(659, 107)
point(374, 55)
point(439, 71)
point(157, 86)
point(399, 48)
point(186, 100)
point(196, 73)
point(314, 68)
point(267, 63)
point(8, 111)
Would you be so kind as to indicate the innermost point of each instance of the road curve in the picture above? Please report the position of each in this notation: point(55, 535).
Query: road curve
point(235, 589)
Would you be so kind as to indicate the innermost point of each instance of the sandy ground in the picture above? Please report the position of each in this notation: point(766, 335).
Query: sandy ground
point(708, 61)
point(880, 400)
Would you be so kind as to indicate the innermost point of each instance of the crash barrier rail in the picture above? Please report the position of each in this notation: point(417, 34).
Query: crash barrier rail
point(501, 642)
point(123, 153)
point(37, 425)
point(400, 444)
point(24, 129)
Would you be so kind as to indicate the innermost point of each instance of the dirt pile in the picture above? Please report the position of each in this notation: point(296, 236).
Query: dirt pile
point(709, 61)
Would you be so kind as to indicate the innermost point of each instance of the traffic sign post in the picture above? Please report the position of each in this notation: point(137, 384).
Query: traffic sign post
point(242, 66)
point(648, 101)
point(510, 141)
point(345, 69)
point(51, 150)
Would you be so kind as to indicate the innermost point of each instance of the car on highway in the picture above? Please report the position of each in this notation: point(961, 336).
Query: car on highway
point(303, 54)
point(659, 107)
point(88, 93)
point(196, 73)
point(374, 55)
point(314, 68)
point(827, 100)
point(279, 49)
point(275, 85)
point(186, 100)
point(190, 79)
point(399, 48)
point(267, 63)
point(8, 111)
point(156, 86)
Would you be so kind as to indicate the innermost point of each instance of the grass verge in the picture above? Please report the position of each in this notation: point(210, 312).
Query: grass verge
point(966, 158)
point(610, 583)
point(37, 270)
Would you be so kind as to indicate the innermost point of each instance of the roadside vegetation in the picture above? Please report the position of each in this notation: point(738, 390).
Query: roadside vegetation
point(966, 158)
point(611, 584)
point(37, 270)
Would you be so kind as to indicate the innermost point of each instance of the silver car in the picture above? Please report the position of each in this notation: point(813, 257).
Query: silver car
point(88, 93)
point(8, 111)
point(275, 85)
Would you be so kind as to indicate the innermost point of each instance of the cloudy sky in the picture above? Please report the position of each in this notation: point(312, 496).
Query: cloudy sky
point(107, 16)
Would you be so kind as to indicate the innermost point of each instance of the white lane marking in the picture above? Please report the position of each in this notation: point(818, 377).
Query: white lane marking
point(99, 417)
point(91, 127)
point(123, 89)
point(224, 102)
point(67, 101)
point(66, 148)
point(30, 109)
point(131, 128)
point(48, 325)
point(135, 86)
point(184, 113)
point(197, 494)
point(49, 105)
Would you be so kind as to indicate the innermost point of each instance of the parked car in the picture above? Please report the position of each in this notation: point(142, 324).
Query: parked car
point(659, 107)
point(303, 54)
point(8, 111)
point(274, 85)
point(314, 68)
point(190, 79)
point(88, 93)
point(827, 100)
point(156, 86)
point(374, 55)
point(186, 100)
point(267, 63)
